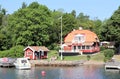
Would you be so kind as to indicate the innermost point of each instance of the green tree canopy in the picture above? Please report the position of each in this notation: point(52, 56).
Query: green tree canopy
point(29, 26)
point(112, 28)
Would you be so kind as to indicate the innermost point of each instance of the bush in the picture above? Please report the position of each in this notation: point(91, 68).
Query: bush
point(14, 52)
point(88, 57)
point(102, 48)
point(54, 46)
point(108, 53)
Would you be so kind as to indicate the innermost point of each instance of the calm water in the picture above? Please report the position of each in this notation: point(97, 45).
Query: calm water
point(82, 72)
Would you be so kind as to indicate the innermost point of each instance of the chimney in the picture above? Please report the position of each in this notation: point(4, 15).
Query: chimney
point(80, 28)
point(73, 29)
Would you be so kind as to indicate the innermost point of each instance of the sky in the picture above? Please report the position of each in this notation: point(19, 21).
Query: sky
point(102, 9)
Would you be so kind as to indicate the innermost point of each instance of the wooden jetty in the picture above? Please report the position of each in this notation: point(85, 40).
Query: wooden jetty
point(112, 65)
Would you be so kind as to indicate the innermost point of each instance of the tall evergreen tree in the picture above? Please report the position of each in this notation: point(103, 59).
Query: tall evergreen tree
point(24, 5)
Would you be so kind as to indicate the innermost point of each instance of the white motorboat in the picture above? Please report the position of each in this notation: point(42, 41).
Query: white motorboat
point(22, 63)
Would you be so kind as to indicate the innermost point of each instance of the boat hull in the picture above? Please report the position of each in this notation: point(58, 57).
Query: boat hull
point(23, 67)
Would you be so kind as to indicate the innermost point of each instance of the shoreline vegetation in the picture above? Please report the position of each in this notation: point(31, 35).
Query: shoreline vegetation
point(54, 60)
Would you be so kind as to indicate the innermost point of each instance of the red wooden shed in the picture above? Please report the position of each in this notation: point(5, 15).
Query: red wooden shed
point(36, 52)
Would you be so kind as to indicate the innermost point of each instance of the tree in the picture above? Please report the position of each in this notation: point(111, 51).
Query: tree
point(84, 21)
point(30, 25)
point(112, 28)
point(15, 52)
point(98, 28)
point(54, 30)
point(73, 13)
point(24, 5)
point(69, 23)
point(3, 11)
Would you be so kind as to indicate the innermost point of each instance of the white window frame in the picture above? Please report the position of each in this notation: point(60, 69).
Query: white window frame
point(79, 38)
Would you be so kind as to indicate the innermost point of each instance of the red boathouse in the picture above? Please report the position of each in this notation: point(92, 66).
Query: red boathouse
point(36, 52)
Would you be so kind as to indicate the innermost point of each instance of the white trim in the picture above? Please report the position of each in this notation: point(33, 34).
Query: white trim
point(79, 38)
point(33, 55)
point(29, 48)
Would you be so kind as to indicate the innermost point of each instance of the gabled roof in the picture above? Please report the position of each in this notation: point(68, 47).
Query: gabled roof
point(89, 36)
point(37, 48)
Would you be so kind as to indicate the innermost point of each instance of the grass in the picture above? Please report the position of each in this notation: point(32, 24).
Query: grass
point(95, 57)
point(52, 53)
point(98, 57)
point(71, 58)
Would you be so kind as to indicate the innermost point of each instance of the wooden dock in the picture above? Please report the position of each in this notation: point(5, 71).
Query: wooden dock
point(112, 65)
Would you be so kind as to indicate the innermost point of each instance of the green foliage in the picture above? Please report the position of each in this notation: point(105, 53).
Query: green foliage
point(24, 5)
point(54, 46)
point(69, 23)
point(84, 21)
point(14, 52)
point(37, 25)
point(111, 30)
point(108, 53)
point(98, 57)
point(2, 13)
point(102, 48)
point(88, 57)
point(29, 26)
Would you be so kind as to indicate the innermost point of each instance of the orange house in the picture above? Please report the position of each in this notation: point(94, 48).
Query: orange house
point(35, 52)
point(79, 42)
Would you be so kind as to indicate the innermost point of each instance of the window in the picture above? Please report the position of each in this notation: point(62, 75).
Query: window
point(79, 38)
point(42, 53)
point(23, 61)
point(74, 47)
point(87, 47)
point(79, 47)
point(83, 47)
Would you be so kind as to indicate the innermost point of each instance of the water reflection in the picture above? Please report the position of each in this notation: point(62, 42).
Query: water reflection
point(82, 72)
point(25, 74)
point(7, 73)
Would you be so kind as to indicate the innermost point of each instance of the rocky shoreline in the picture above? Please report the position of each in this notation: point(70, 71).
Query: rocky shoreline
point(64, 63)
point(93, 62)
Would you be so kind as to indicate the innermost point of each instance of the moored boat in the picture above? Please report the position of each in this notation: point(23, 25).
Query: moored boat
point(7, 62)
point(22, 63)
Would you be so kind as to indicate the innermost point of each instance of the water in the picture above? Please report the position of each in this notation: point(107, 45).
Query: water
point(82, 72)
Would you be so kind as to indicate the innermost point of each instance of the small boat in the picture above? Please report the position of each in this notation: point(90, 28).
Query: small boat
point(22, 63)
point(7, 62)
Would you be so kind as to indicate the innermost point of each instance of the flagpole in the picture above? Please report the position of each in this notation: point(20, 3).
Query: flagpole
point(61, 39)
